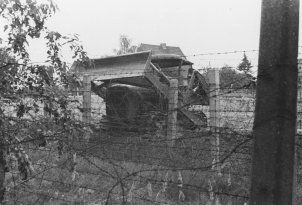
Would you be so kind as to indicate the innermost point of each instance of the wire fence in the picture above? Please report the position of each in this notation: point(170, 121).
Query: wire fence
point(121, 152)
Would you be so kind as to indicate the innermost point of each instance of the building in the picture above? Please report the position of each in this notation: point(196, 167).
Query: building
point(160, 49)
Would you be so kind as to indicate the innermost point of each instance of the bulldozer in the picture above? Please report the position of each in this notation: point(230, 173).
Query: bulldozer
point(137, 84)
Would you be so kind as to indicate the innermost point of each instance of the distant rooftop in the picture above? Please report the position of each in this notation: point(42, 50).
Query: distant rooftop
point(160, 49)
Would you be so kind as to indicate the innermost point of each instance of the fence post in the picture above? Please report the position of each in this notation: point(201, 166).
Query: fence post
point(47, 108)
point(214, 122)
point(273, 179)
point(172, 111)
point(86, 99)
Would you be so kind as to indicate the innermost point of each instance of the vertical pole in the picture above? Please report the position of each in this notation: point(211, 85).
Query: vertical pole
point(172, 111)
point(47, 108)
point(87, 99)
point(48, 103)
point(299, 100)
point(214, 114)
point(2, 168)
point(273, 167)
point(180, 71)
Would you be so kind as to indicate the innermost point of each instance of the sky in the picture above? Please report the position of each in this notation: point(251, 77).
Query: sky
point(196, 26)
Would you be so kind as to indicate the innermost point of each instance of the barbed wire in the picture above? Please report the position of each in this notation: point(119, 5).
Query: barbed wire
point(220, 53)
point(120, 158)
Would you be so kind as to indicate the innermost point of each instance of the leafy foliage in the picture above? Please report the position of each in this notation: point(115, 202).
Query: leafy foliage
point(34, 101)
point(230, 78)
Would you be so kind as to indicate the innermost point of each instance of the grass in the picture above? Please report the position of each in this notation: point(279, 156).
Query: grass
point(136, 169)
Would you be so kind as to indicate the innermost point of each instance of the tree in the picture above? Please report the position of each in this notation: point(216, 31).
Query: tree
point(231, 78)
point(125, 46)
point(245, 65)
point(26, 86)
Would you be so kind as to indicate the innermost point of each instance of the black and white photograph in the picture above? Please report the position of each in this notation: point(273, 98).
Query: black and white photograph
point(163, 102)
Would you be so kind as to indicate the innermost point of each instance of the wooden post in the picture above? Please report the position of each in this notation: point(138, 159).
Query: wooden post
point(172, 111)
point(180, 71)
point(86, 99)
point(48, 103)
point(273, 167)
point(214, 114)
point(47, 108)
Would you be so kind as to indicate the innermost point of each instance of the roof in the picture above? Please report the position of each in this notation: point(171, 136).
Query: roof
point(160, 49)
point(169, 60)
